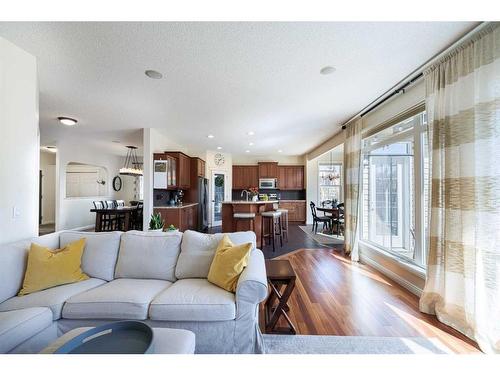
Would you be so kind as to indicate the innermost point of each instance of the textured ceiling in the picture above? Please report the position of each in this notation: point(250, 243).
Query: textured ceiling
point(220, 78)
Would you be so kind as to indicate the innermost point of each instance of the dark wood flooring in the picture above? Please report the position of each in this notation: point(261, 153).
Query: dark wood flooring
point(334, 296)
point(297, 239)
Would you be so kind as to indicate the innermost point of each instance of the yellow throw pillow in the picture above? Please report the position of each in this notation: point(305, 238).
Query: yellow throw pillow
point(228, 264)
point(48, 268)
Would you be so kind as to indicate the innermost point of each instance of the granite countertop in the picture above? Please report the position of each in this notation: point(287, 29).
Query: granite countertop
point(249, 202)
point(181, 206)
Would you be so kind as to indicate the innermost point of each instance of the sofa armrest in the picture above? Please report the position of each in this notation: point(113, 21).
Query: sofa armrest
point(252, 284)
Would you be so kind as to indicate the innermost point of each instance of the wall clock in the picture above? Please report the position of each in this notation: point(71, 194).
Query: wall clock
point(117, 183)
point(219, 159)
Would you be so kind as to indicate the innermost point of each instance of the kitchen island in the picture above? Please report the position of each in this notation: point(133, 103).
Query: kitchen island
point(183, 217)
point(229, 208)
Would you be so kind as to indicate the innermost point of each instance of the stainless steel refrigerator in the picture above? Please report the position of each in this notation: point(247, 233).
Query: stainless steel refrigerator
point(203, 204)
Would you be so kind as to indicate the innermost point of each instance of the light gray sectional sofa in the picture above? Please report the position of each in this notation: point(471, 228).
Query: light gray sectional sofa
point(159, 278)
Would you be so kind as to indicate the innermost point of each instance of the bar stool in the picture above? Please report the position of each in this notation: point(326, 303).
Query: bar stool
point(271, 219)
point(284, 222)
point(244, 216)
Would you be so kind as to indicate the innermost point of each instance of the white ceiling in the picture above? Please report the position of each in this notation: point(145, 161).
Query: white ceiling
point(220, 78)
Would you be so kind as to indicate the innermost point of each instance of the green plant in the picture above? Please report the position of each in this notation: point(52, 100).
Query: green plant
point(156, 221)
point(171, 227)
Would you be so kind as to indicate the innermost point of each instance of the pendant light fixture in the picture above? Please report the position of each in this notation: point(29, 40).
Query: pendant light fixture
point(333, 175)
point(132, 166)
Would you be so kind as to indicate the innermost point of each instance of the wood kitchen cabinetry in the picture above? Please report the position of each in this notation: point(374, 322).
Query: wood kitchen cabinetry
point(197, 167)
point(183, 218)
point(171, 169)
point(291, 177)
point(183, 170)
point(296, 210)
point(268, 170)
point(245, 176)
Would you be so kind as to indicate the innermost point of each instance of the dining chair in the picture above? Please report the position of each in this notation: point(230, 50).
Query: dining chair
point(137, 217)
point(110, 204)
point(326, 220)
point(98, 205)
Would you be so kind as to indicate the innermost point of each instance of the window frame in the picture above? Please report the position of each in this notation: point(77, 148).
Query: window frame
point(418, 132)
point(341, 179)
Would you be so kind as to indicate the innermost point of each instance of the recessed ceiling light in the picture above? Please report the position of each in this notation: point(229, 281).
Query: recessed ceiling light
point(247, 150)
point(280, 150)
point(250, 133)
point(327, 70)
point(153, 74)
point(210, 136)
point(219, 148)
point(250, 144)
point(67, 121)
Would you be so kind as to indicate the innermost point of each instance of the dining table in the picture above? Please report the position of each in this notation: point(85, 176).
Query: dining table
point(334, 212)
point(126, 211)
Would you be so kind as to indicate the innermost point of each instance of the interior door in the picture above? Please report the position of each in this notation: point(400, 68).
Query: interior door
point(218, 190)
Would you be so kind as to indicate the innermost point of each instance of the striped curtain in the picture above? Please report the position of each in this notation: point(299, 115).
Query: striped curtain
point(463, 107)
point(352, 164)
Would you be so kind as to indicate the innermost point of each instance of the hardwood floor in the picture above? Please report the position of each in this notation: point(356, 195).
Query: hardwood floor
point(334, 296)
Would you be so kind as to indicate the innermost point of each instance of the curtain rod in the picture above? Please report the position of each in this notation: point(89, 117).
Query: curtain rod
point(417, 74)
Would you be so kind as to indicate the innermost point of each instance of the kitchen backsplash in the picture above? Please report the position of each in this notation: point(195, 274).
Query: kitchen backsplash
point(282, 194)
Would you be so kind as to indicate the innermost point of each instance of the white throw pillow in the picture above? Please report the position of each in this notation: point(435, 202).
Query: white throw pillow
point(148, 255)
point(198, 250)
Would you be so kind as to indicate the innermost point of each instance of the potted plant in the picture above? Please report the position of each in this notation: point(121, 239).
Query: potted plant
point(171, 228)
point(156, 223)
point(254, 193)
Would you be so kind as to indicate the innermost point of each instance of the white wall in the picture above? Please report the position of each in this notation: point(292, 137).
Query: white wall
point(75, 212)
point(48, 168)
point(19, 144)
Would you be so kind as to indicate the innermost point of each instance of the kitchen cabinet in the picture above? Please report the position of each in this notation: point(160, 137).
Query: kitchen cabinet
point(296, 210)
point(245, 176)
point(291, 177)
point(183, 217)
point(197, 167)
point(168, 171)
point(268, 170)
point(183, 169)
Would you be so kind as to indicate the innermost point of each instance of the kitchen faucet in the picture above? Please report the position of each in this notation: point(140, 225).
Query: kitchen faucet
point(243, 192)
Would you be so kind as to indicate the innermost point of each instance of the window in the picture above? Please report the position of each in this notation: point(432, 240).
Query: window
point(83, 181)
point(330, 182)
point(394, 189)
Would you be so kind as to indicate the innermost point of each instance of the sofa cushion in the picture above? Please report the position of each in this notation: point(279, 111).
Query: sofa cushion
point(13, 259)
point(52, 298)
point(17, 326)
point(118, 299)
point(148, 255)
point(100, 254)
point(48, 268)
point(198, 250)
point(193, 300)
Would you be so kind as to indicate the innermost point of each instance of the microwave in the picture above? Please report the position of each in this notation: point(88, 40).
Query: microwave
point(268, 183)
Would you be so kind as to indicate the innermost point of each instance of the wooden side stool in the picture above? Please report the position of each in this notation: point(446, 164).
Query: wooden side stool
point(280, 274)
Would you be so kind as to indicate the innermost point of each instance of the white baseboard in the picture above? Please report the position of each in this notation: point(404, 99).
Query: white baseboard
point(393, 276)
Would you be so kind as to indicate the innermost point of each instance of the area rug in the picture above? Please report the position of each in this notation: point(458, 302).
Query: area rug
point(321, 238)
point(308, 344)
